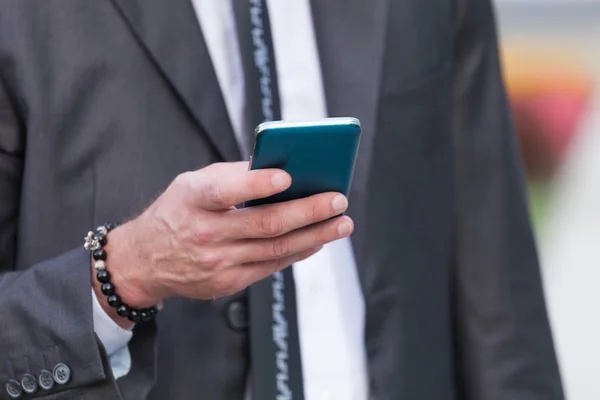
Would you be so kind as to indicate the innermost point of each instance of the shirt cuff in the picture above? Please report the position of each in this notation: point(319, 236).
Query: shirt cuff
point(112, 336)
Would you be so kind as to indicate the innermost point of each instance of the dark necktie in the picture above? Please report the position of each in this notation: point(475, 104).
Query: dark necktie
point(274, 342)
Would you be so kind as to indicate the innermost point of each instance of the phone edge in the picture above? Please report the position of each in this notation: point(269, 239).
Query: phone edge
point(292, 124)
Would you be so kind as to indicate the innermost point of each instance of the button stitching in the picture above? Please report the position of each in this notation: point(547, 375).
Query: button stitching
point(46, 380)
point(13, 388)
point(62, 373)
point(29, 383)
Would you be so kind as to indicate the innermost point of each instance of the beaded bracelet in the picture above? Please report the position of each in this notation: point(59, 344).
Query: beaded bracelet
point(95, 242)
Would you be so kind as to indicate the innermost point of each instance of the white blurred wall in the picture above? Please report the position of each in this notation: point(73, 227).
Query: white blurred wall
point(570, 244)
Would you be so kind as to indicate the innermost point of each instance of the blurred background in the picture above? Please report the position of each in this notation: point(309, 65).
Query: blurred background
point(551, 62)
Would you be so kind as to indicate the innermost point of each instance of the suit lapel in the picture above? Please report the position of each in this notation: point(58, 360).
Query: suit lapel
point(169, 30)
point(350, 38)
point(350, 45)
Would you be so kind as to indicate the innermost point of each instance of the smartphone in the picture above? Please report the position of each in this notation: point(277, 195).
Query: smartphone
point(319, 155)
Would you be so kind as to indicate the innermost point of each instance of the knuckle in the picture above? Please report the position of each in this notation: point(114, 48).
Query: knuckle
point(217, 194)
point(280, 247)
point(205, 235)
point(185, 185)
point(182, 181)
point(214, 167)
point(312, 213)
point(209, 260)
point(272, 223)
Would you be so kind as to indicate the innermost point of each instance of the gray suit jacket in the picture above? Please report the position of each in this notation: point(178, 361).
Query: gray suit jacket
point(103, 103)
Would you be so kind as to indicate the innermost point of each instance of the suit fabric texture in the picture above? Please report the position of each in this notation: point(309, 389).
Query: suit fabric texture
point(103, 103)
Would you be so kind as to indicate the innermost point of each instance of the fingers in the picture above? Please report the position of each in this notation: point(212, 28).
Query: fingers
point(278, 219)
point(256, 271)
point(295, 242)
point(223, 185)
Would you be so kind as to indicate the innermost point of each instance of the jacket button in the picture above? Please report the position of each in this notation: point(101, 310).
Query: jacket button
point(46, 380)
point(29, 383)
point(61, 373)
point(237, 315)
point(13, 388)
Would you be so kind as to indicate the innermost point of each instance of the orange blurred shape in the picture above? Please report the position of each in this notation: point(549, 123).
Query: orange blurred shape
point(541, 68)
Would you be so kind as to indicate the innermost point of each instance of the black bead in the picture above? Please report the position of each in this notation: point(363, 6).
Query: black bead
point(107, 288)
point(103, 276)
point(110, 226)
point(114, 300)
point(153, 311)
point(134, 316)
point(101, 238)
point(145, 316)
point(99, 254)
point(123, 311)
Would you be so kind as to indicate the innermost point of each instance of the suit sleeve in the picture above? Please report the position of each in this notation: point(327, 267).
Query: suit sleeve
point(46, 319)
point(504, 344)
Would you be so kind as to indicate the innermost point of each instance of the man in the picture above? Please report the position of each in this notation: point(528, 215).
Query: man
point(105, 105)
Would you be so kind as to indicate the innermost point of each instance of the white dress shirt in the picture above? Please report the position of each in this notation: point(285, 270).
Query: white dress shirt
point(329, 299)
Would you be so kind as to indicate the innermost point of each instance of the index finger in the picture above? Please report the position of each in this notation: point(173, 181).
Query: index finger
point(221, 186)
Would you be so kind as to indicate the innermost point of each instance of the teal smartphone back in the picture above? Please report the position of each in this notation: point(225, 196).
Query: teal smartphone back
point(320, 155)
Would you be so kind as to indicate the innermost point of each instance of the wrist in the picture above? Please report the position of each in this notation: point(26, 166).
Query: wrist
point(123, 322)
point(134, 283)
point(118, 280)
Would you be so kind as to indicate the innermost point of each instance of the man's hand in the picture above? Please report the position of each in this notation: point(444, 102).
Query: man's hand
point(192, 241)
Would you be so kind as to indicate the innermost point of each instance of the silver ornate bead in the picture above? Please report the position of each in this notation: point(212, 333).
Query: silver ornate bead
point(89, 241)
point(99, 265)
point(102, 229)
